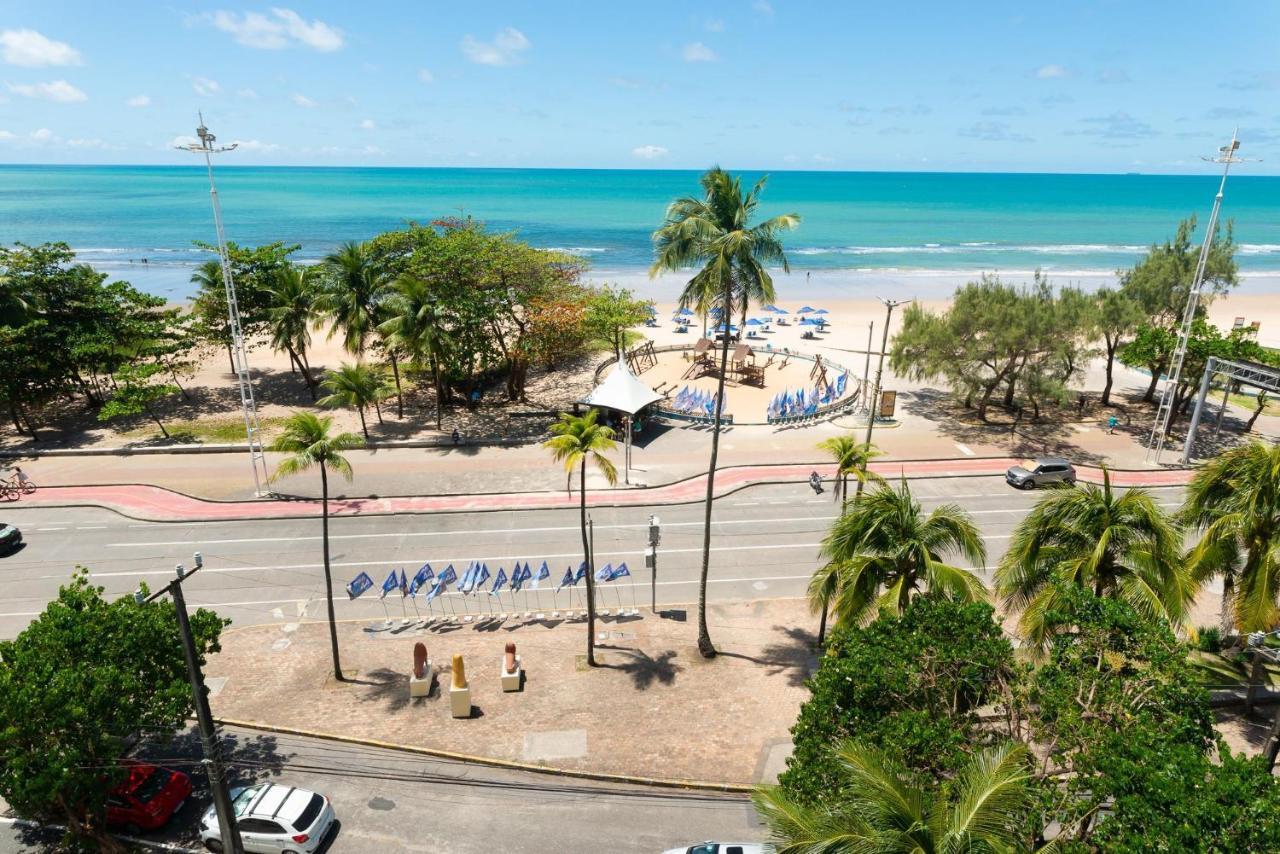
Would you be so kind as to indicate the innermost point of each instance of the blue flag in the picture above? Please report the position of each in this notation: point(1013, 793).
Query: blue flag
point(480, 577)
point(517, 577)
point(404, 584)
point(468, 578)
point(620, 572)
point(567, 581)
point(359, 585)
point(499, 581)
point(392, 582)
point(605, 572)
point(582, 572)
point(425, 574)
point(446, 577)
point(543, 573)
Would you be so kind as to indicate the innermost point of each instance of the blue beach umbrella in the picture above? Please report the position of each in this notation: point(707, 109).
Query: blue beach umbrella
point(804, 310)
point(819, 311)
point(685, 312)
point(777, 310)
point(755, 321)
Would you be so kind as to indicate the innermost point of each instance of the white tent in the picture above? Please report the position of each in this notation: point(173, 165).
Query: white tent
point(622, 392)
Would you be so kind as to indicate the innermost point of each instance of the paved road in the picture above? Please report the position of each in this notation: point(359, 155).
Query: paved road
point(391, 801)
point(267, 571)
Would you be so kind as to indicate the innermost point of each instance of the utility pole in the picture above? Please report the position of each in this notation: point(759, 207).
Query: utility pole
point(651, 560)
point(866, 365)
point(228, 830)
point(890, 305)
point(239, 355)
point(1164, 414)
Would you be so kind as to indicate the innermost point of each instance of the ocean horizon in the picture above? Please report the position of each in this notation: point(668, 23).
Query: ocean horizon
point(875, 225)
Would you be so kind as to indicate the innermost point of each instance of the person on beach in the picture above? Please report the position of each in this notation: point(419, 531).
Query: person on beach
point(1112, 422)
point(457, 437)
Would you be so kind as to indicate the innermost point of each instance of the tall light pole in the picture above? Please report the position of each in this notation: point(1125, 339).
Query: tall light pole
point(1164, 414)
point(890, 305)
point(239, 355)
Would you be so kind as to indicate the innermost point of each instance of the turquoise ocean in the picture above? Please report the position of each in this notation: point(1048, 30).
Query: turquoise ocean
point(866, 223)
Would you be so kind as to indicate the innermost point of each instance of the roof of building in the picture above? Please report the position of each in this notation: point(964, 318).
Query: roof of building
point(622, 391)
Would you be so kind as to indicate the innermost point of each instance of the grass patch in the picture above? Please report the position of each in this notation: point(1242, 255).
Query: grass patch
point(206, 431)
point(1250, 402)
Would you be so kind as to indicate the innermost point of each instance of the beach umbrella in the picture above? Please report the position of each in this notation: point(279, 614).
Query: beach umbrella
point(819, 311)
point(755, 321)
point(773, 308)
point(716, 310)
point(650, 310)
point(685, 312)
point(804, 310)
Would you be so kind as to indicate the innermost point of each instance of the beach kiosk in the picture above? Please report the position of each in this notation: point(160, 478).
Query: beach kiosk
point(624, 393)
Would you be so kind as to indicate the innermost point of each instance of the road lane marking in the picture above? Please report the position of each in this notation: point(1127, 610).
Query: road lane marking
point(964, 449)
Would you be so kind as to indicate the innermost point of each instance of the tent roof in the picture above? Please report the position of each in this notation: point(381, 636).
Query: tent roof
point(621, 391)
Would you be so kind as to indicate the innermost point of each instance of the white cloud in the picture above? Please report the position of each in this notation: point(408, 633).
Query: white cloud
point(4, 135)
point(282, 29)
point(30, 49)
point(1051, 72)
point(991, 131)
point(426, 76)
point(368, 124)
point(57, 90)
point(763, 7)
point(256, 146)
point(42, 135)
point(372, 150)
point(206, 87)
point(822, 158)
point(505, 49)
point(138, 101)
point(649, 152)
point(302, 100)
point(87, 143)
point(698, 52)
point(247, 94)
point(789, 158)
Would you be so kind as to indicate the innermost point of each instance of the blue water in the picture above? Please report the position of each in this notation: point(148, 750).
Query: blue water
point(952, 222)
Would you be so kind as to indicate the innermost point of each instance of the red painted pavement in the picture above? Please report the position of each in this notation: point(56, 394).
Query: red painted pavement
point(155, 503)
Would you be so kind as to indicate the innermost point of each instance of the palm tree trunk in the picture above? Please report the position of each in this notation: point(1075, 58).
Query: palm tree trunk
point(705, 647)
point(363, 426)
point(231, 359)
point(435, 376)
point(1227, 615)
point(591, 569)
point(395, 370)
point(822, 627)
point(1106, 389)
point(328, 577)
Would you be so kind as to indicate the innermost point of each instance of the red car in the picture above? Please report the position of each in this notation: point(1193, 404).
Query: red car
point(147, 797)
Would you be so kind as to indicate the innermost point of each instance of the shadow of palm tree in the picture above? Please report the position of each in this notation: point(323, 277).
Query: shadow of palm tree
point(643, 668)
point(792, 654)
point(386, 686)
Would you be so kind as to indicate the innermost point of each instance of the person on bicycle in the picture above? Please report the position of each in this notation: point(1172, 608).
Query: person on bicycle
point(18, 477)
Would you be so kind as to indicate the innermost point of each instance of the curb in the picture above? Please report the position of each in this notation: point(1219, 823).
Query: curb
point(132, 840)
point(509, 764)
point(222, 448)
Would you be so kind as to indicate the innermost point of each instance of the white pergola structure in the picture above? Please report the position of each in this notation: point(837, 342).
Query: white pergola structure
point(1246, 373)
point(622, 392)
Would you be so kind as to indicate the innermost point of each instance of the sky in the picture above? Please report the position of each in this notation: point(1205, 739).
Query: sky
point(1125, 86)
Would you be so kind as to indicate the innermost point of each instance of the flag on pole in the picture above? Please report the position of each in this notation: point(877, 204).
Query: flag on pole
point(391, 583)
point(525, 574)
point(567, 581)
point(543, 573)
point(499, 581)
point(404, 584)
point(425, 574)
point(604, 573)
point(620, 572)
point(468, 578)
point(447, 577)
point(480, 577)
point(359, 585)
point(582, 572)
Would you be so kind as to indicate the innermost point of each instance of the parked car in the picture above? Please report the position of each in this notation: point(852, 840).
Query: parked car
point(10, 538)
point(1038, 472)
point(724, 848)
point(275, 819)
point(147, 798)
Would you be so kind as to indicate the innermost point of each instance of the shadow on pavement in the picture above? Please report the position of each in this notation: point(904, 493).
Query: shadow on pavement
point(643, 668)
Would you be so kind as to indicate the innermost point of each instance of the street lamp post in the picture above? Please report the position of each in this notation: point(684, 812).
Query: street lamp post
point(651, 560)
point(889, 305)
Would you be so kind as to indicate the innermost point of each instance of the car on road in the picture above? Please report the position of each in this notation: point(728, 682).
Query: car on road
point(147, 798)
point(274, 818)
point(10, 538)
point(1040, 472)
point(724, 848)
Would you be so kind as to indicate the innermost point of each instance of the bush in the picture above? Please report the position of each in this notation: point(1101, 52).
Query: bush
point(1209, 639)
point(908, 685)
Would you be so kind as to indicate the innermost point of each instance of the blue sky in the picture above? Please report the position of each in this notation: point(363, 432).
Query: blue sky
point(1065, 87)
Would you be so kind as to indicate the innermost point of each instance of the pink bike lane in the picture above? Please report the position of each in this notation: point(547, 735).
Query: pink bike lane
point(153, 503)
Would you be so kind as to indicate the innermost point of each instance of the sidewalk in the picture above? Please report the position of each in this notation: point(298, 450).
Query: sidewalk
point(153, 503)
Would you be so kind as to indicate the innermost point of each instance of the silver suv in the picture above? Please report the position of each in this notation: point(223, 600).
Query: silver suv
point(1038, 472)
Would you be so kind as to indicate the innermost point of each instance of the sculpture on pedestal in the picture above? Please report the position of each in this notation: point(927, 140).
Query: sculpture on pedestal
point(509, 662)
point(459, 673)
point(419, 660)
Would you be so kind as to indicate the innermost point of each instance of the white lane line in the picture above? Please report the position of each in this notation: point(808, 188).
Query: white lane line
point(51, 529)
point(91, 527)
point(964, 449)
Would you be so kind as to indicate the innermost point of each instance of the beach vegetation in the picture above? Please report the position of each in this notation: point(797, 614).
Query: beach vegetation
point(610, 312)
point(309, 441)
point(714, 234)
point(418, 324)
point(293, 310)
point(1116, 316)
point(576, 441)
point(254, 270)
point(83, 678)
point(135, 392)
point(357, 386)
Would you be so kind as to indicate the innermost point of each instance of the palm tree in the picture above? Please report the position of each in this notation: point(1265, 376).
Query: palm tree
point(417, 324)
point(878, 811)
point(1119, 544)
point(306, 438)
point(357, 387)
point(355, 300)
point(1234, 501)
point(713, 232)
point(293, 310)
point(884, 541)
point(578, 440)
point(851, 458)
point(207, 277)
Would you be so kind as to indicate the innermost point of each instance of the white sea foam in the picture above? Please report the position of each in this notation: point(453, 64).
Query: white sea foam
point(981, 246)
point(577, 250)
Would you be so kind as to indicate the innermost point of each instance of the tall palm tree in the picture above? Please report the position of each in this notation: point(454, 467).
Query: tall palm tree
point(851, 458)
point(1234, 501)
point(714, 232)
point(1119, 544)
point(884, 541)
point(207, 277)
point(417, 324)
point(293, 310)
point(878, 811)
point(578, 440)
point(308, 441)
point(357, 387)
point(354, 299)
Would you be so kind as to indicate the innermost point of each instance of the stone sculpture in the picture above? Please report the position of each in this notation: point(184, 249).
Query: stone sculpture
point(459, 673)
point(509, 663)
point(459, 692)
point(419, 660)
point(511, 677)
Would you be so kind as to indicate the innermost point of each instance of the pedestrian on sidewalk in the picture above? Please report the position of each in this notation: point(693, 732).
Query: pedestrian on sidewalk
point(457, 437)
point(1112, 422)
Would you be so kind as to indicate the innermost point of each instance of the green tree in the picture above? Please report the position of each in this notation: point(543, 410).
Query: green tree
point(309, 442)
point(908, 684)
point(713, 232)
point(1117, 544)
point(1117, 315)
point(253, 270)
point(851, 458)
point(418, 325)
point(355, 300)
point(884, 542)
point(135, 393)
point(986, 810)
point(611, 312)
point(1234, 502)
point(74, 685)
point(579, 440)
point(294, 308)
point(357, 387)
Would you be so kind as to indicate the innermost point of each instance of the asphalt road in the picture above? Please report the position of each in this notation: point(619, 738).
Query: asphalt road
point(765, 543)
point(390, 801)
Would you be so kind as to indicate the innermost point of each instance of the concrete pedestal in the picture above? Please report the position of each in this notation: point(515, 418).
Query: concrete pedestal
point(460, 702)
point(511, 681)
point(422, 687)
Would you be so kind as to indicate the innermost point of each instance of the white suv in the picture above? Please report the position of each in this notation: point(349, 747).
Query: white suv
point(273, 818)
